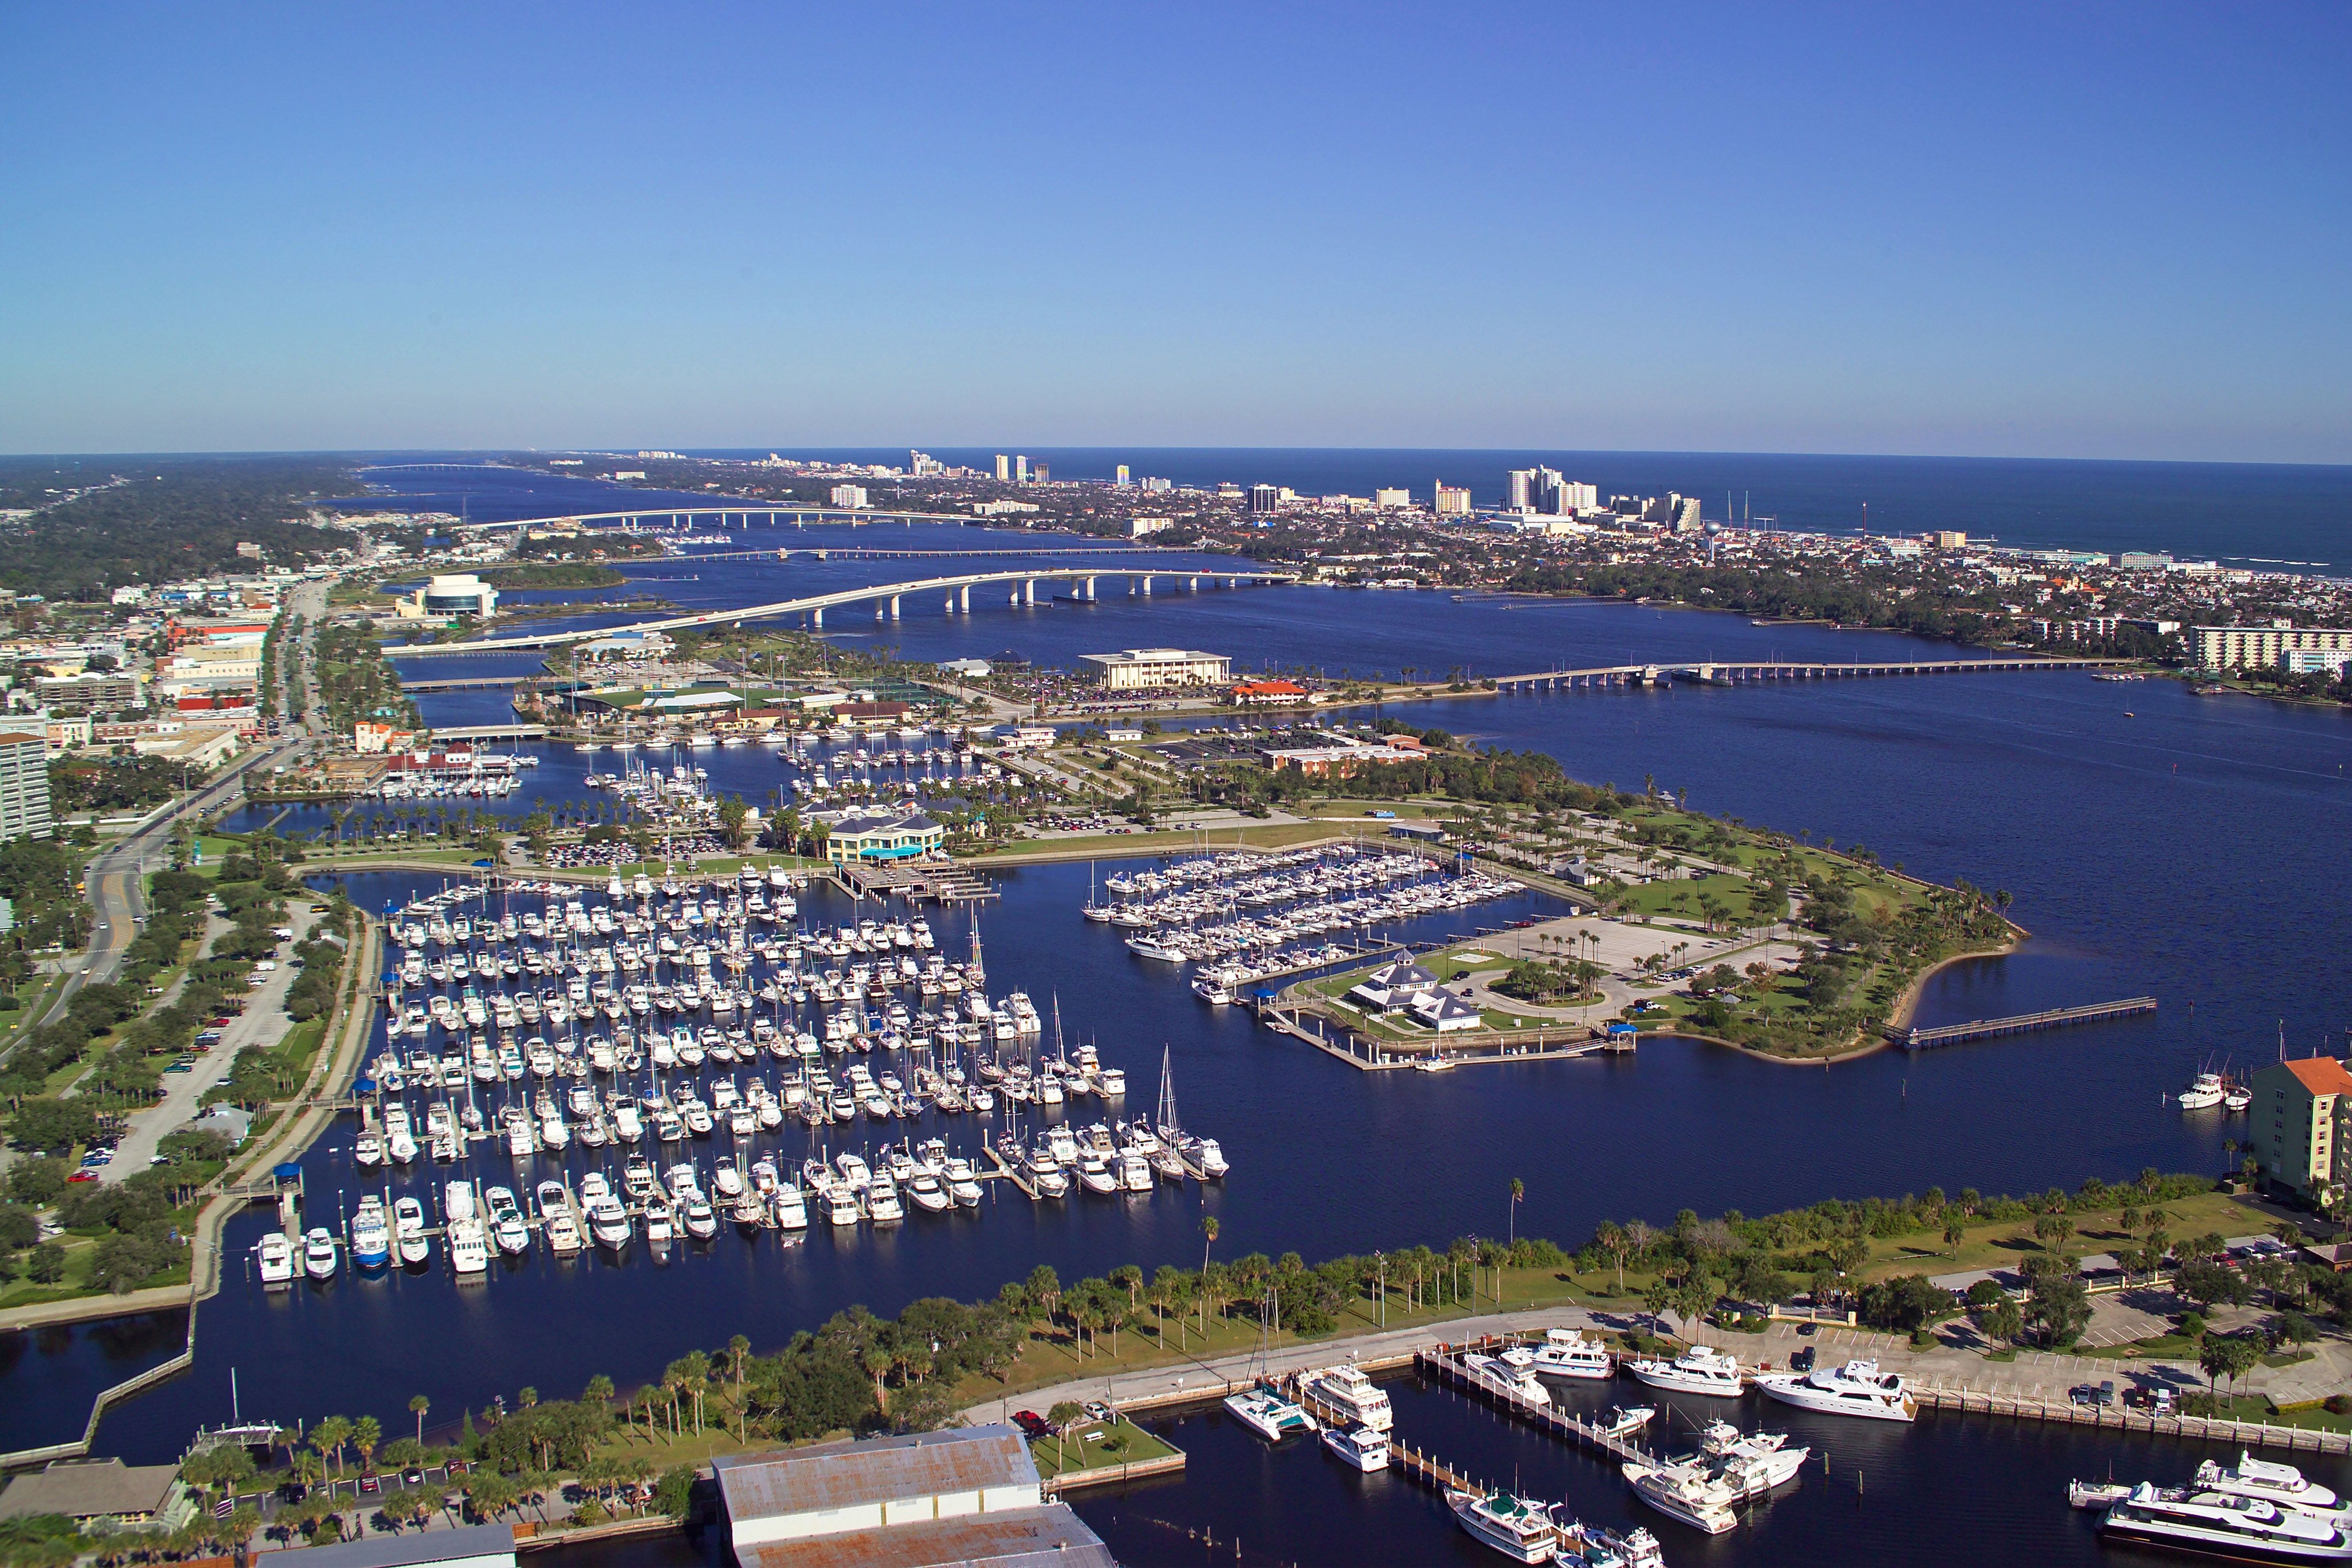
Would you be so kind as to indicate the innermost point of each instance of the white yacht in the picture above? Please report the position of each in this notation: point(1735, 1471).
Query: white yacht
point(1684, 1493)
point(791, 1208)
point(1702, 1369)
point(1520, 1530)
point(1158, 948)
point(2260, 1478)
point(276, 1259)
point(1500, 1376)
point(1268, 1414)
point(1857, 1388)
point(371, 1236)
point(1591, 1546)
point(408, 1231)
point(1566, 1352)
point(2205, 1093)
point(2226, 1524)
point(1346, 1390)
point(1359, 1447)
point(1755, 1462)
point(319, 1253)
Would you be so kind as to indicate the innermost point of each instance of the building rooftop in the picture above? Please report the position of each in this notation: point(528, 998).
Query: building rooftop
point(829, 1476)
point(1152, 655)
point(467, 1543)
point(1048, 1537)
point(2321, 1075)
point(853, 819)
point(90, 1489)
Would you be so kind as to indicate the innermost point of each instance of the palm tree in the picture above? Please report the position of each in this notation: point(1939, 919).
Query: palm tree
point(366, 1433)
point(329, 1438)
point(1208, 1239)
point(1518, 1192)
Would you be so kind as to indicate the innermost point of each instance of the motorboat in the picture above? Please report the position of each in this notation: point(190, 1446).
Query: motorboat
point(1591, 1546)
point(1496, 1375)
point(275, 1259)
point(1521, 1529)
point(791, 1208)
point(1268, 1414)
point(1857, 1388)
point(367, 1150)
point(320, 1255)
point(408, 1231)
point(1702, 1369)
point(1345, 1390)
point(2262, 1477)
point(1160, 949)
point(1566, 1352)
point(1755, 1462)
point(1686, 1493)
point(1359, 1446)
point(2203, 1094)
point(1621, 1421)
point(371, 1236)
point(2230, 1525)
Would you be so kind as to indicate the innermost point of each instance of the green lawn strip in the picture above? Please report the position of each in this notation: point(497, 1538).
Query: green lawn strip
point(1097, 1445)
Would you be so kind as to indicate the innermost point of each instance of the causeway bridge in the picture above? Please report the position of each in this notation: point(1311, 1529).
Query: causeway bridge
point(682, 518)
point(1721, 672)
point(886, 599)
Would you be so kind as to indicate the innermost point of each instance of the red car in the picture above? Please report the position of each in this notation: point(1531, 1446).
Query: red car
point(83, 1175)
point(1029, 1421)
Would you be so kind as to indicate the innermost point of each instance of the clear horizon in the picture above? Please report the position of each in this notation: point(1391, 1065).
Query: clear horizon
point(2113, 232)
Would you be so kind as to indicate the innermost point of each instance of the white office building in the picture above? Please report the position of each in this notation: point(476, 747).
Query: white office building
point(1149, 668)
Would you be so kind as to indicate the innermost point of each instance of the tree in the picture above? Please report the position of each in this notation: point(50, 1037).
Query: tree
point(417, 1405)
point(367, 1432)
point(1518, 1192)
point(1208, 1239)
point(1613, 1241)
point(329, 1438)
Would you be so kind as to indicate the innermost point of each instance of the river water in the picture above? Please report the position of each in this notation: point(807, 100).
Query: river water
point(2155, 842)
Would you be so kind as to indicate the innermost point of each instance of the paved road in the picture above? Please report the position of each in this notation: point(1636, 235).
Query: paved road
point(263, 1022)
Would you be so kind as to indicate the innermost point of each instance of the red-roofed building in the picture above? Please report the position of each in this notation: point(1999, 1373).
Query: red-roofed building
point(1272, 693)
point(2298, 1128)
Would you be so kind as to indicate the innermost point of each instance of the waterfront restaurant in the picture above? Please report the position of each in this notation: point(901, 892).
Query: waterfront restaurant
point(862, 833)
point(102, 1492)
point(1149, 668)
point(924, 1501)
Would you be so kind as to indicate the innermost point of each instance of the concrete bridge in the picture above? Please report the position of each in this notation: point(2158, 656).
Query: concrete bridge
point(887, 599)
point(684, 517)
point(1720, 672)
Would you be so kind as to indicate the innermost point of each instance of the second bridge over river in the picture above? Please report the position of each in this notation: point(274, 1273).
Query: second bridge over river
point(1723, 672)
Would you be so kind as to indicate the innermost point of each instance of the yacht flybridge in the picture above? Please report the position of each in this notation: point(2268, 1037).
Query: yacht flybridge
point(1857, 1388)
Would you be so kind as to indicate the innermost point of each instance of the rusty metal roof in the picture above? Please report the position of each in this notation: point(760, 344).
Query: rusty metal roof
point(1048, 1537)
point(828, 1476)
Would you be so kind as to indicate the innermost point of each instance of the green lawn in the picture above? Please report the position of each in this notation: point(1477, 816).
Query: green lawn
point(1096, 1445)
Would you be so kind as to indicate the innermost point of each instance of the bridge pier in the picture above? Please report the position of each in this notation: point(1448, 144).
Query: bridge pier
point(894, 607)
point(816, 619)
point(1089, 595)
point(964, 599)
point(1029, 591)
point(1193, 583)
point(1147, 584)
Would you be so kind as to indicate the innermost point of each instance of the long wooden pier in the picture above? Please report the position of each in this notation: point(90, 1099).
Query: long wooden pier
point(1718, 672)
point(1445, 1361)
point(2023, 1023)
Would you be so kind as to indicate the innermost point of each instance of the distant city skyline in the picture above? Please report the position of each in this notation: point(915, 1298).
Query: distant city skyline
point(2106, 232)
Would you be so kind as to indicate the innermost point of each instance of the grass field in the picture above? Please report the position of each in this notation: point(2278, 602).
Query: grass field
point(1094, 1445)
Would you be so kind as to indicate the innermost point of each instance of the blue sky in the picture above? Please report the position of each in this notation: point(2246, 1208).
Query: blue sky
point(2077, 230)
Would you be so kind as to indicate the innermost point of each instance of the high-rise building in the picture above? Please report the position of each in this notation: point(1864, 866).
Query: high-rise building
point(1450, 502)
point(1122, 476)
point(1158, 486)
point(1686, 520)
point(1039, 473)
point(1020, 470)
point(924, 466)
point(24, 786)
point(849, 495)
point(1265, 498)
point(1519, 490)
point(1004, 466)
point(1392, 498)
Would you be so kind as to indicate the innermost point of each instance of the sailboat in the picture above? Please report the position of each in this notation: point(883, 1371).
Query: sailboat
point(1165, 1156)
point(1093, 910)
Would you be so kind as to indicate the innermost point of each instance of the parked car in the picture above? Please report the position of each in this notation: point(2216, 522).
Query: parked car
point(1035, 1425)
point(1097, 1411)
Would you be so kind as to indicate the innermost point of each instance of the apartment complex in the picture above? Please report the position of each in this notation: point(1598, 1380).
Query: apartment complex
point(2295, 1132)
point(24, 785)
point(2245, 648)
